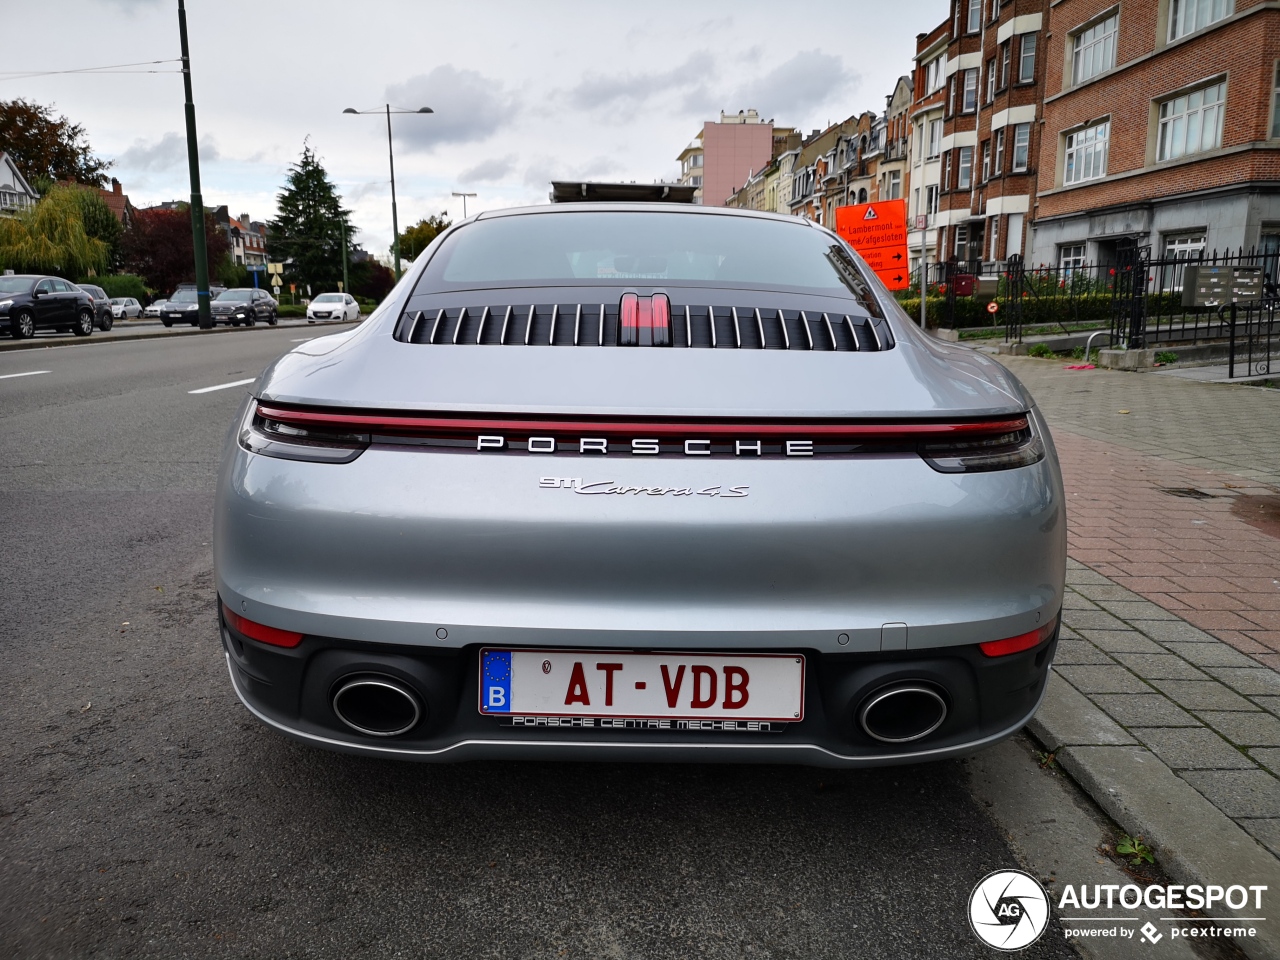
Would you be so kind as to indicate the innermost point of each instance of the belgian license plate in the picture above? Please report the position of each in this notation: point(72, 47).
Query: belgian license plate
point(609, 683)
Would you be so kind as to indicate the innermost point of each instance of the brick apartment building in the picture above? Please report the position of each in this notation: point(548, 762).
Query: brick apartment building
point(1161, 123)
point(929, 101)
point(989, 153)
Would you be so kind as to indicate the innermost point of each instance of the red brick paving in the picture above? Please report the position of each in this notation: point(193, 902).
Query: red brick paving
point(1192, 557)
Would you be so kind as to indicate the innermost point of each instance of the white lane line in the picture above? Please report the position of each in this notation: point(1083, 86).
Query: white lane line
point(29, 373)
point(302, 340)
point(223, 386)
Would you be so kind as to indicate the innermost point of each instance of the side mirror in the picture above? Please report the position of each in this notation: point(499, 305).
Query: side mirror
point(36, 294)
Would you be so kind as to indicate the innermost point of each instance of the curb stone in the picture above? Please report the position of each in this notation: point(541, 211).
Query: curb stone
point(1194, 840)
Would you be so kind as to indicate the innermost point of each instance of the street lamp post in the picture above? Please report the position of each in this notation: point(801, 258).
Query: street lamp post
point(197, 202)
point(464, 201)
point(395, 224)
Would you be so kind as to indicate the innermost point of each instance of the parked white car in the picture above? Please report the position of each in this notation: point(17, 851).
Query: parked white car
point(126, 308)
point(154, 309)
point(333, 306)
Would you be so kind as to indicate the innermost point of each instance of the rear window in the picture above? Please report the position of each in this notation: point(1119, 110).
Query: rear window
point(646, 247)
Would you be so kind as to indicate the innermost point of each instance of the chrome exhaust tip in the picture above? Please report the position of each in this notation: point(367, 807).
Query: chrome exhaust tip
point(377, 706)
point(902, 713)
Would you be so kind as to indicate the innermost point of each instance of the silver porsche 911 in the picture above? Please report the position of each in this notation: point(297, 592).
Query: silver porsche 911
point(643, 481)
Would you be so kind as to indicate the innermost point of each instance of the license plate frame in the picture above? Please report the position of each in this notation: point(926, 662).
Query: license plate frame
point(657, 684)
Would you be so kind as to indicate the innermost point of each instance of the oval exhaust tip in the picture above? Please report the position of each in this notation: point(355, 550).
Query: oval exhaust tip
point(377, 706)
point(902, 713)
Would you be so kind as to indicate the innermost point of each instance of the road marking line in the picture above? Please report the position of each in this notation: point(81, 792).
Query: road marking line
point(223, 386)
point(302, 340)
point(29, 373)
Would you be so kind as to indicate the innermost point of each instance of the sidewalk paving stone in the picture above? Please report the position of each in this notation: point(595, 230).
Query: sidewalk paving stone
point(1121, 641)
point(1246, 729)
point(1108, 679)
point(1136, 610)
point(1192, 748)
point(1266, 831)
point(1200, 694)
point(1160, 666)
point(1269, 757)
point(1251, 681)
point(1144, 710)
point(1071, 652)
point(1212, 655)
point(1238, 793)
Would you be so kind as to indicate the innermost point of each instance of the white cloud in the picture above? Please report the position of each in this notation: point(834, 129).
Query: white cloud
point(487, 171)
point(468, 107)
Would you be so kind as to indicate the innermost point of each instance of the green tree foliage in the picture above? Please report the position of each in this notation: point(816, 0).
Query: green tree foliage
point(120, 285)
point(307, 232)
point(417, 238)
point(100, 223)
point(46, 147)
point(371, 280)
point(51, 238)
point(157, 246)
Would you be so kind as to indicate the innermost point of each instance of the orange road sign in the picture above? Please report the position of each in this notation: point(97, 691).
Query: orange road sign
point(878, 231)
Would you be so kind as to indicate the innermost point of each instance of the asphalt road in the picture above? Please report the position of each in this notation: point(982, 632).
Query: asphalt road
point(145, 813)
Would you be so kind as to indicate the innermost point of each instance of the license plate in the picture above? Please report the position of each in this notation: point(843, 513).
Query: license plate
point(608, 683)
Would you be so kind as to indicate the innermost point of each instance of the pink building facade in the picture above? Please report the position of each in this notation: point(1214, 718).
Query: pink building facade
point(739, 145)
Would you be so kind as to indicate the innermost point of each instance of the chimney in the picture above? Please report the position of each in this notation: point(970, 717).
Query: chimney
point(115, 186)
point(244, 220)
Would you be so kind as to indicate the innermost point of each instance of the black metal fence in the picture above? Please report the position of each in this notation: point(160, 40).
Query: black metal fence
point(1255, 336)
point(1138, 299)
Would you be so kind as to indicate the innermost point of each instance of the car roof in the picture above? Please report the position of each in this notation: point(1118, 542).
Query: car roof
point(694, 210)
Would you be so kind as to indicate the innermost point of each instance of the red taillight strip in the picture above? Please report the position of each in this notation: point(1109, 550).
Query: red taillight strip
point(1023, 641)
point(260, 631)
point(393, 423)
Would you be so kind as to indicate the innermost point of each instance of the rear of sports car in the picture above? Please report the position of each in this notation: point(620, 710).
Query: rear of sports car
point(658, 483)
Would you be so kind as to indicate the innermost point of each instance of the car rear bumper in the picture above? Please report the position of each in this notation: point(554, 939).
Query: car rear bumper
point(291, 690)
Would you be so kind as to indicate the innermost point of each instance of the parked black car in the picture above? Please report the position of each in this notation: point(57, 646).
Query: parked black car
point(245, 305)
point(103, 315)
point(30, 302)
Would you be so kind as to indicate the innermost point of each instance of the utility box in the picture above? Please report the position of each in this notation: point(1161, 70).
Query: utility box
point(1213, 284)
point(987, 286)
point(962, 284)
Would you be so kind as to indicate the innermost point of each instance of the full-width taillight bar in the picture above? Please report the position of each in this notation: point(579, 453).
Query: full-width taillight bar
point(406, 425)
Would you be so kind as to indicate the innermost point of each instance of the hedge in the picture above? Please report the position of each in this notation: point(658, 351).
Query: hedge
point(120, 285)
point(972, 311)
point(291, 310)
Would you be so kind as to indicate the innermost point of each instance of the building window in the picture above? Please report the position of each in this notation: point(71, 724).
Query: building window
point(931, 197)
point(951, 96)
point(1094, 49)
point(697, 181)
point(1188, 16)
point(974, 19)
point(935, 135)
point(1184, 246)
point(965, 170)
point(999, 164)
point(946, 176)
point(1004, 63)
point(986, 160)
point(1191, 123)
point(1275, 103)
point(895, 185)
point(1027, 59)
point(961, 240)
point(970, 102)
point(1021, 147)
point(1070, 258)
point(1086, 154)
point(991, 79)
point(935, 74)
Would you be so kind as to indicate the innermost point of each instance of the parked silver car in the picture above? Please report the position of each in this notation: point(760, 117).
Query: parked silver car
point(640, 482)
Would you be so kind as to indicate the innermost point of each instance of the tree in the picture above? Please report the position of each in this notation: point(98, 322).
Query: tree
point(51, 238)
point(158, 247)
point(371, 280)
point(48, 148)
point(418, 237)
point(307, 233)
point(100, 223)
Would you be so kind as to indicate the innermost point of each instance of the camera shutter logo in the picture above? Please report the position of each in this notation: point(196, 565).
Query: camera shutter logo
point(1008, 910)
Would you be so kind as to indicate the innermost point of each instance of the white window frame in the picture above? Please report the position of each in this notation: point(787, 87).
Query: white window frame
point(986, 160)
point(935, 137)
point(997, 166)
point(1183, 122)
point(969, 96)
point(1093, 49)
point(1021, 141)
point(895, 185)
point(960, 241)
point(1275, 103)
point(932, 199)
point(1027, 58)
point(991, 79)
point(1188, 16)
point(1084, 156)
point(964, 168)
point(973, 17)
point(1071, 257)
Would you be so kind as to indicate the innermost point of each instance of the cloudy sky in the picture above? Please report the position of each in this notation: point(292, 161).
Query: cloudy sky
point(523, 92)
